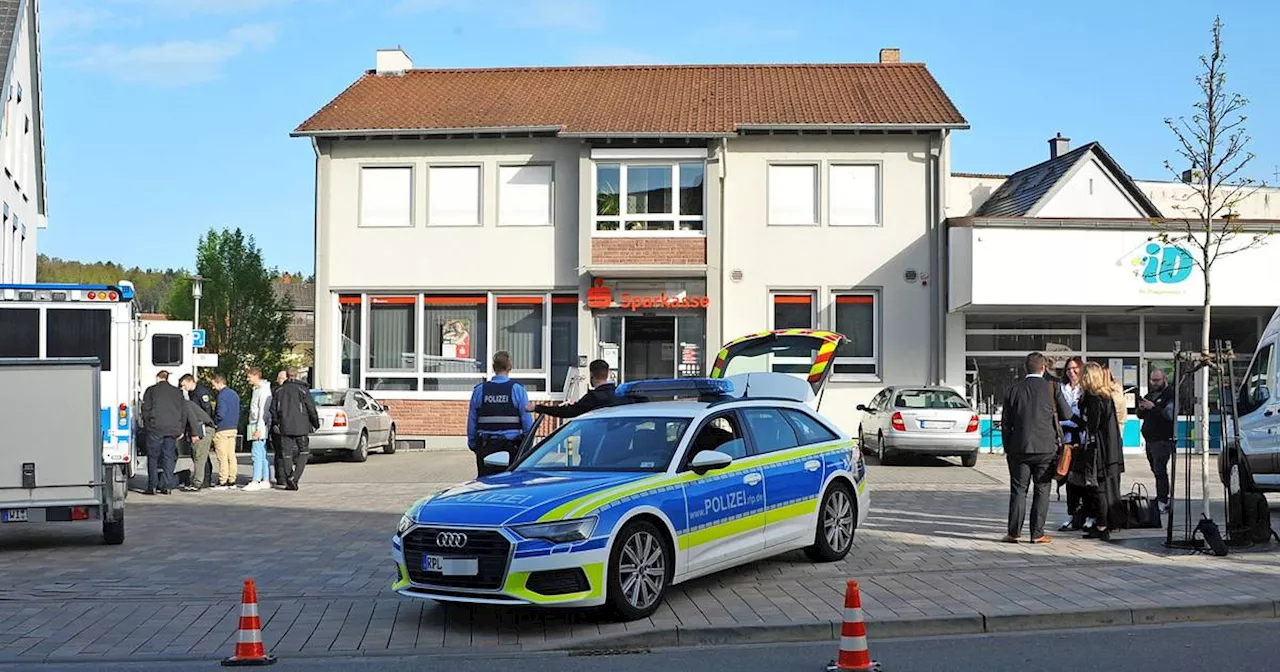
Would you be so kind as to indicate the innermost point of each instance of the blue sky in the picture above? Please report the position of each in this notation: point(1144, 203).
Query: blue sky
point(166, 117)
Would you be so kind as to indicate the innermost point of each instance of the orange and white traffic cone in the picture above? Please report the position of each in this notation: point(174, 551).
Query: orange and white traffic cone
point(854, 654)
point(249, 647)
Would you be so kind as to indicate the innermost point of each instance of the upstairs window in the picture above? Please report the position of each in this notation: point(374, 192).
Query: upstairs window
point(793, 195)
point(386, 196)
point(453, 196)
point(662, 197)
point(525, 195)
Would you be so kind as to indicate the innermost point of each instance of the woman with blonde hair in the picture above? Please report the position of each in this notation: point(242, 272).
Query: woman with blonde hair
point(1097, 466)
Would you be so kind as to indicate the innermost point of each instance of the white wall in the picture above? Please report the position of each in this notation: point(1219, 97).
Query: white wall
point(1090, 192)
point(831, 258)
point(1176, 199)
point(18, 188)
point(967, 193)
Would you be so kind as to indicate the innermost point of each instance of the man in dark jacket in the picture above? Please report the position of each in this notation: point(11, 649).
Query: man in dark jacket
point(1030, 433)
point(199, 396)
point(164, 416)
point(295, 412)
point(1156, 410)
point(600, 395)
point(273, 433)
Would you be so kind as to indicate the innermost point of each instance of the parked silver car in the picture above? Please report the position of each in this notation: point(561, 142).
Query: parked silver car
point(924, 420)
point(352, 422)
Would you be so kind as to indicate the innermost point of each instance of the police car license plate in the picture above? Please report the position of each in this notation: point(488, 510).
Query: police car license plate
point(14, 516)
point(451, 566)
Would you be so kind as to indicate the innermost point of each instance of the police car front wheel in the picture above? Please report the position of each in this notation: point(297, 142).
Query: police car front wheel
point(639, 571)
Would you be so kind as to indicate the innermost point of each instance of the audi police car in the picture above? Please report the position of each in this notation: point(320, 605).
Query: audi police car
point(685, 477)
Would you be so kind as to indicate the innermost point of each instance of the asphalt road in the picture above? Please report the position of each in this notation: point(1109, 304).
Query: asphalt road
point(1245, 646)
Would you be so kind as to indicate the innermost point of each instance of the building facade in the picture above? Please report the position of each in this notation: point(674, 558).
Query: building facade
point(643, 215)
point(22, 189)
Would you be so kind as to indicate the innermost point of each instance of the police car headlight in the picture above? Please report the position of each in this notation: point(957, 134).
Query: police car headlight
point(561, 532)
point(405, 523)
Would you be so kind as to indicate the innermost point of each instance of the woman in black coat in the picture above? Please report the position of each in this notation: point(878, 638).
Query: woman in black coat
point(1100, 461)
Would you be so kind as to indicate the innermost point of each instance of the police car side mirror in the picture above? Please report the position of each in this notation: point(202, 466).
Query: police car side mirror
point(498, 460)
point(709, 460)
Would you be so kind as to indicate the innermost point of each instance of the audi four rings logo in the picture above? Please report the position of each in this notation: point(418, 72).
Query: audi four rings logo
point(451, 540)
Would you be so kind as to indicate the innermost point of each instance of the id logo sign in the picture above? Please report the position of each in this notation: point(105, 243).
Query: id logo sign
point(1163, 264)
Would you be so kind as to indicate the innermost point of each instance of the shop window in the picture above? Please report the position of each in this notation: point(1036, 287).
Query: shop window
point(691, 336)
point(793, 194)
point(391, 334)
point(376, 384)
point(793, 310)
point(639, 197)
point(79, 333)
point(349, 312)
point(455, 339)
point(453, 196)
point(1029, 342)
point(525, 195)
point(1020, 333)
point(854, 193)
point(564, 339)
point(857, 317)
point(519, 322)
point(1113, 333)
point(19, 332)
point(386, 196)
point(1163, 332)
point(1023, 322)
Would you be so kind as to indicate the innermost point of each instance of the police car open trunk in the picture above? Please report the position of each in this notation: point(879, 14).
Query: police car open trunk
point(804, 353)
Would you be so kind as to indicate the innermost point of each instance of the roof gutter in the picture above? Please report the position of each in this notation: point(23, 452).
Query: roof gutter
point(642, 134)
point(854, 127)
point(424, 131)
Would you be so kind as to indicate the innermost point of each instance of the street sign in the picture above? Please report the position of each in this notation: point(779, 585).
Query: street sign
point(197, 338)
point(207, 360)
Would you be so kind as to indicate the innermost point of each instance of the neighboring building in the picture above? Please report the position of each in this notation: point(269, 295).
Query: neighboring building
point(1064, 257)
point(640, 214)
point(301, 333)
point(22, 189)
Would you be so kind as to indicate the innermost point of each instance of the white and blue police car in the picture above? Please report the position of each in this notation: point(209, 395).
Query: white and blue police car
point(686, 477)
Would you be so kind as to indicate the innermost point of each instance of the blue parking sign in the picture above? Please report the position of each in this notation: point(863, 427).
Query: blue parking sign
point(197, 338)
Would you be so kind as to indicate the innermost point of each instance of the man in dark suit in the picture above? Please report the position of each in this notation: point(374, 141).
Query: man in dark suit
point(1031, 435)
point(600, 395)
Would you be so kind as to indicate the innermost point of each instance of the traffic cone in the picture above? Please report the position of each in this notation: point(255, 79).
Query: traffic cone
point(854, 654)
point(249, 647)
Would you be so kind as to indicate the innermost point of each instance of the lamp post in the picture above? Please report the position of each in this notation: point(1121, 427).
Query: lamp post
point(197, 291)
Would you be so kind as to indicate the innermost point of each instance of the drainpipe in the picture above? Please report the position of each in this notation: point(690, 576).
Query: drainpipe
point(713, 349)
point(941, 272)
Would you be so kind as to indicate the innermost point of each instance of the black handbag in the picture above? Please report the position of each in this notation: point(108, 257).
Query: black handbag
point(1142, 509)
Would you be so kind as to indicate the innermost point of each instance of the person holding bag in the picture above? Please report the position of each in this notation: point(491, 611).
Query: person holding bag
point(1078, 507)
point(1097, 466)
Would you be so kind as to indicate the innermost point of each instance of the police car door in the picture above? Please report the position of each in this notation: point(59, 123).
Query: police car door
point(726, 507)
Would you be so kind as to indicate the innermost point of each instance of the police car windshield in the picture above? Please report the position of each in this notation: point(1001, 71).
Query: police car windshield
point(609, 444)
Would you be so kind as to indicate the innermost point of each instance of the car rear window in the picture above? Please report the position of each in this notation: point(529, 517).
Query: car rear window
point(324, 398)
point(929, 399)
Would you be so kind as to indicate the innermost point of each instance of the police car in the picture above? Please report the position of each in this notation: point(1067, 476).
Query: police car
point(684, 478)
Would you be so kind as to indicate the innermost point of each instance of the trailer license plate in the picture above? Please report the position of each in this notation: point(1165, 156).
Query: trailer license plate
point(15, 515)
point(451, 566)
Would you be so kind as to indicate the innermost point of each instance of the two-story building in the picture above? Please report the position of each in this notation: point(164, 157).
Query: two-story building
point(643, 215)
point(22, 186)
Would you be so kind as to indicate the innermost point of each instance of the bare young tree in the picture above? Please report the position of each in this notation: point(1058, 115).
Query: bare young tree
point(1213, 143)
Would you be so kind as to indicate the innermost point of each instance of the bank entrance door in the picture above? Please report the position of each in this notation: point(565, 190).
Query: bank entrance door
point(644, 347)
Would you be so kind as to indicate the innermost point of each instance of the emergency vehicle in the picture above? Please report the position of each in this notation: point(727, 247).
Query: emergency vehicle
point(47, 321)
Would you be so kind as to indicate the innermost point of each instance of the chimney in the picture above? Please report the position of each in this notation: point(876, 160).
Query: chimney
point(1058, 146)
point(393, 61)
point(891, 55)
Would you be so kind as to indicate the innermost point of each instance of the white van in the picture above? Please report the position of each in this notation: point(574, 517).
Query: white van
point(1258, 404)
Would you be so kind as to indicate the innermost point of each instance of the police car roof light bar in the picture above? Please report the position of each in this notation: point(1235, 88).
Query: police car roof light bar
point(676, 387)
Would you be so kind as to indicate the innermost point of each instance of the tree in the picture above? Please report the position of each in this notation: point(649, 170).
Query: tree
point(244, 319)
point(1214, 144)
point(151, 286)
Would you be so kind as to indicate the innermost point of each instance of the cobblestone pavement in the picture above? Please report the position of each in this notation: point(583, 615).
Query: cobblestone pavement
point(320, 558)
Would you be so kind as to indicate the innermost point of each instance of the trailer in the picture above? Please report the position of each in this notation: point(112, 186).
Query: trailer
point(52, 462)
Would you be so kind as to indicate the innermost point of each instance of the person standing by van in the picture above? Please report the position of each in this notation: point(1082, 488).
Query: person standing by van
point(164, 418)
point(226, 415)
point(1157, 413)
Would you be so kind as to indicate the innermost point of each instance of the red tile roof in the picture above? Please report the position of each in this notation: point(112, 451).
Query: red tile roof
point(667, 100)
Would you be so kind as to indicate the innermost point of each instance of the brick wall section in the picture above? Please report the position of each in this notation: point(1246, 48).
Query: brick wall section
point(419, 417)
point(649, 251)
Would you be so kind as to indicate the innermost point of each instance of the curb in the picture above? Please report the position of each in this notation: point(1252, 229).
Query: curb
point(975, 624)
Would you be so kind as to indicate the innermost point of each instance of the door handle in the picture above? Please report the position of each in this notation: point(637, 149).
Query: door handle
point(752, 479)
point(813, 465)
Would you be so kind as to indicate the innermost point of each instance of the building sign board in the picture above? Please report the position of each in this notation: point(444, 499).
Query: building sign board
point(602, 297)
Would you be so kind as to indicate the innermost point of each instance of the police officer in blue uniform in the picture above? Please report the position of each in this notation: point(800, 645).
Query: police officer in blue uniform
point(498, 417)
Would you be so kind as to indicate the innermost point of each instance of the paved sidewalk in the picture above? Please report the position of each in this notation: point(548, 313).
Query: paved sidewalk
point(927, 559)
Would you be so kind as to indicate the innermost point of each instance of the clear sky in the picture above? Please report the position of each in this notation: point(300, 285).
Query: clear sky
point(166, 117)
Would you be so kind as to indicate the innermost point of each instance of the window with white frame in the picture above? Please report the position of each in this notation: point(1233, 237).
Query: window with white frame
point(793, 194)
point(453, 196)
point(856, 314)
point(386, 196)
point(854, 194)
point(650, 196)
point(457, 336)
point(525, 195)
point(793, 310)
